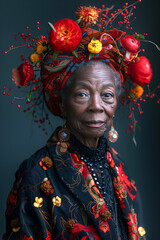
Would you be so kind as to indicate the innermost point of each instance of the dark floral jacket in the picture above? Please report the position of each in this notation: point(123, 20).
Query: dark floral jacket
point(54, 197)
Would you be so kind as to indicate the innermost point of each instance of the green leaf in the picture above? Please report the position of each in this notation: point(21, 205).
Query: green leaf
point(55, 55)
point(78, 21)
point(81, 45)
point(139, 127)
point(119, 60)
point(141, 36)
point(28, 114)
point(51, 26)
point(132, 95)
point(75, 53)
point(29, 96)
point(93, 38)
point(91, 55)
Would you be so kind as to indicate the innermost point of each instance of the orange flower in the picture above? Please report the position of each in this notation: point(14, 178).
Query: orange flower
point(88, 15)
point(137, 91)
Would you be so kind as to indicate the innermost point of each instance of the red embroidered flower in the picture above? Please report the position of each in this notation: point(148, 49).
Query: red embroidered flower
point(47, 188)
point(26, 238)
point(130, 43)
point(46, 163)
point(110, 160)
point(133, 229)
point(128, 185)
point(49, 236)
point(67, 36)
point(23, 74)
point(140, 71)
point(119, 188)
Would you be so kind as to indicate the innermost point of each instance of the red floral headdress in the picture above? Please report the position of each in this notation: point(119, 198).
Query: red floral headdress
point(71, 43)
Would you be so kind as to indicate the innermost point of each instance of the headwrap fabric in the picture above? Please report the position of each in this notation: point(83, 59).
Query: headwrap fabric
point(55, 73)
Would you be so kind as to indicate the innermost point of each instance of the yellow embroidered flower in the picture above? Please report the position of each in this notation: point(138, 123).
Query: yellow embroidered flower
point(40, 49)
point(88, 15)
point(95, 46)
point(141, 231)
point(34, 57)
point(56, 201)
point(15, 229)
point(137, 91)
point(38, 202)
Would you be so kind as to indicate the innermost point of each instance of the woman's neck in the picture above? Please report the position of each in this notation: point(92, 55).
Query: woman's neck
point(89, 142)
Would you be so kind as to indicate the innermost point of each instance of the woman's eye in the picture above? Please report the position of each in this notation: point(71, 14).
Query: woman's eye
point(107, 95)
point(82, 94)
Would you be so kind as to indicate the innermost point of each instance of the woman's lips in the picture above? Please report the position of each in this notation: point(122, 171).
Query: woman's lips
point(94, 124)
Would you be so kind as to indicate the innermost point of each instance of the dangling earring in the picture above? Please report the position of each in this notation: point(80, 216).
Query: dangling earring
point(112, 134)
point(63, 136)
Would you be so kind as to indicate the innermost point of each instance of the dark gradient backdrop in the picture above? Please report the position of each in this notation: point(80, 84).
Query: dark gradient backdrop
point(19, 141)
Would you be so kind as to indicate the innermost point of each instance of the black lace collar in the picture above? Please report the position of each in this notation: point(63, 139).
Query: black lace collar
point(89, 154)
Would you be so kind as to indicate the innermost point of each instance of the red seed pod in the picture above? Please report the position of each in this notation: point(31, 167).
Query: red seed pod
point(130, 115)
point(4, 93)
point(132, 108)
point(5, 52)
point(157, 101)
point(141, 112)
point(138, 104)
point(18, 106)
point(37, 23)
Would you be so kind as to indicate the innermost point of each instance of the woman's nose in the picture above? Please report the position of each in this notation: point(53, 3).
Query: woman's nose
point(95, 104)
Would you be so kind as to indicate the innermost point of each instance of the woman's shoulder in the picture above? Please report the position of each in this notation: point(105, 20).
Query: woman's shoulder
point(33, 161)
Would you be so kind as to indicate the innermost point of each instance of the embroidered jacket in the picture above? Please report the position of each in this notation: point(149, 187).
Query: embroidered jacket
point(55, 197)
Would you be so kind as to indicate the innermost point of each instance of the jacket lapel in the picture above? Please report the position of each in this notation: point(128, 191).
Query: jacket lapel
point(74, 181)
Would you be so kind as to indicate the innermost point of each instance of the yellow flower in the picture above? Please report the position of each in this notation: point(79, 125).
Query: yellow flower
point(88, 15)
point(40, 49)
point(141, 231)
point(34, 57)
point(38, 202)
point(56, 201)
point(95, 46)
point(137, 91)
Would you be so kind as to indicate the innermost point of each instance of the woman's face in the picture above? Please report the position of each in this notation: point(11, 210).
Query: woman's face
point(91, 101)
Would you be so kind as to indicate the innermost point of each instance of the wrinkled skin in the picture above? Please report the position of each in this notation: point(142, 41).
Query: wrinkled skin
point(90, 103)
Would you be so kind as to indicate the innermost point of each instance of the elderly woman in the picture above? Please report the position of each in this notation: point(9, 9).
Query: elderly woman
point(77, 187)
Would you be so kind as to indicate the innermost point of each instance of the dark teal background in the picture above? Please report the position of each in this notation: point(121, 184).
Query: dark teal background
point(20, 138)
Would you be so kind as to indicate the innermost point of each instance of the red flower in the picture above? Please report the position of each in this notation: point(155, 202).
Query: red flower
point(26, 238)
point(130, 43)
point(140, 71)
point(67, 36)
point(133, 231)
point(46, 163)
point(123, 179)
point(23, 74)
point(47, 188)
point(110, 160)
